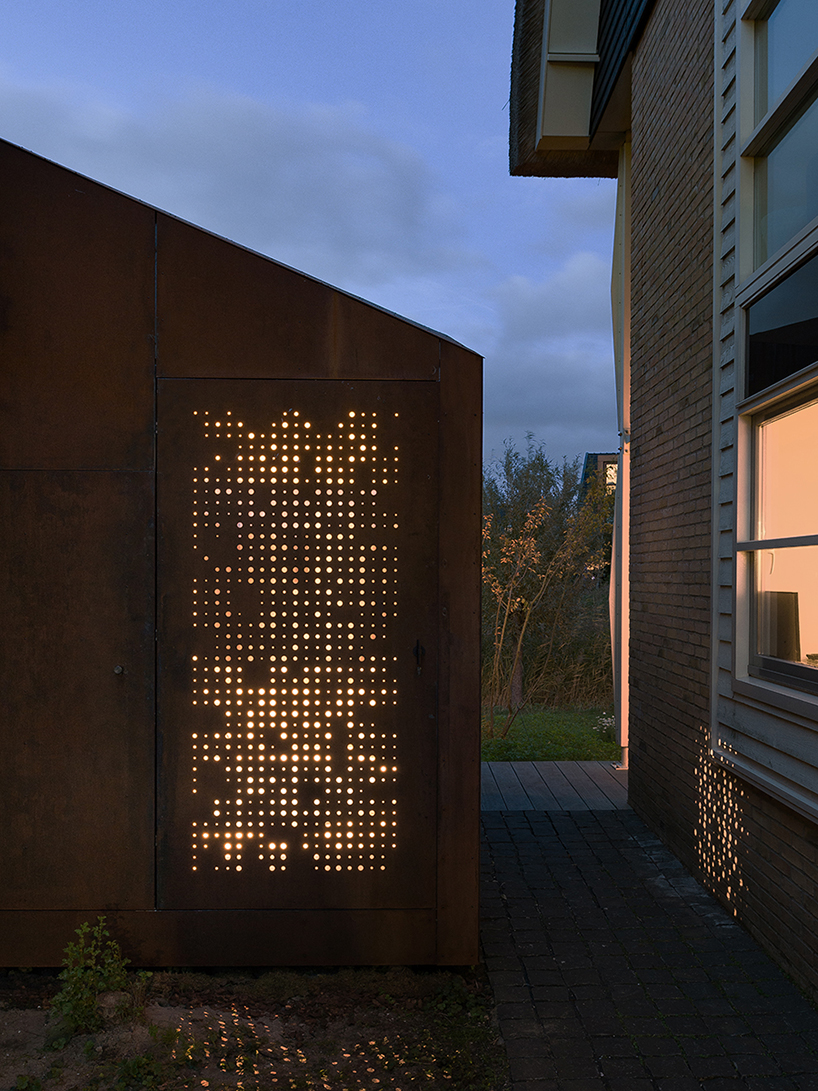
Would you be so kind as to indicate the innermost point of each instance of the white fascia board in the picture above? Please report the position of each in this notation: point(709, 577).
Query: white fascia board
point(569, 57)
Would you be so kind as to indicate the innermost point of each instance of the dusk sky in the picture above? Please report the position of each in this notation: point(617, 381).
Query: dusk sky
point(363, 143)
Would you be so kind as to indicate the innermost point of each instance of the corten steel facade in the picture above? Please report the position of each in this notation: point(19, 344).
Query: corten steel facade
point(241, 586)
point(719, 701)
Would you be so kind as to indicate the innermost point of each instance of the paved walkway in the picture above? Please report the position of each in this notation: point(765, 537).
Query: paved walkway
point(553, 786)
point(613, 969)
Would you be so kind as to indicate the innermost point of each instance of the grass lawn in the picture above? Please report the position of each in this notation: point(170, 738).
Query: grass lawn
point(553, 734)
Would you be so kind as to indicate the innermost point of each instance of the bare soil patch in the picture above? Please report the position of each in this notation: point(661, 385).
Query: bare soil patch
point(326, 1030)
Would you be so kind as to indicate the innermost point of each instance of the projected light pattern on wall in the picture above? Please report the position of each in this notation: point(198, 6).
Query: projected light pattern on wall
point(294, 597)
point(721, 833)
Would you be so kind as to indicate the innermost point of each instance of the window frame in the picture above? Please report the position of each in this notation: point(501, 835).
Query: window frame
point(798, 391)
point(759, 136)
point(752, 677)
point(762, 729)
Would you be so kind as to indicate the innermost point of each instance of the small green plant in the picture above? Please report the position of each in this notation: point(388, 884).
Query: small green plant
point(28, 1083)
point(166, 1036)
point(93, 965)
point(56, 1071)
point(131, 1004)
point(139, 1074)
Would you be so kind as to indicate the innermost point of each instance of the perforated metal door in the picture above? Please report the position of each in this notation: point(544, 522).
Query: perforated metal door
point(297, 644)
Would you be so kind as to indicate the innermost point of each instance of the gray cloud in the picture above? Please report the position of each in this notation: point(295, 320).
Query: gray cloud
point(565, 398)
point(575, 298)
point(586, 204)
point(580, 216)
point(550, 369)
point(310, 185)
point(316, 188)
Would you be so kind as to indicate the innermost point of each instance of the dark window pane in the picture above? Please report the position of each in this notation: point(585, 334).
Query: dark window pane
point(787, 41)
point(784, 329)
point(787, 184)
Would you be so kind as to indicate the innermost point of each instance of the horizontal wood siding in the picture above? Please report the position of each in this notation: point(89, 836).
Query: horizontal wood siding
point(758, 855)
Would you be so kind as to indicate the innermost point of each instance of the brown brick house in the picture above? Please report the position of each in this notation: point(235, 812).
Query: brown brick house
point(706, 114)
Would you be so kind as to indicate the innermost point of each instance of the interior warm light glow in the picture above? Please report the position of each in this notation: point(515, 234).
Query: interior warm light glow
point(787, 614)
point(260, 555)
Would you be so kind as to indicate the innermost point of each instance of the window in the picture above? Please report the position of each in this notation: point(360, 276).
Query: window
point(787, 182)
point(777, 550)
point(782, 329)
point(764, 725)
point(782, 49)
point(784, 140)
point(783, 554)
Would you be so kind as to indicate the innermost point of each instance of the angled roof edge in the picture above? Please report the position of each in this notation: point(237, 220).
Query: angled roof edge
point(240, 246)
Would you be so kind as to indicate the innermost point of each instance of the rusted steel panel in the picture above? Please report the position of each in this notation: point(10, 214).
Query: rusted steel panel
point(358, 937)
point(319, 577)
point(225, 312)
point(371, 343)
point(460, 577)
point(77, 741)
point(76, 320)
point(298, 644)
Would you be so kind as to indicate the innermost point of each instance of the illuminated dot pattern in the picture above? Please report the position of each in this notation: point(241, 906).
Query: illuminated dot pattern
point(294, 594)
point(721, 832)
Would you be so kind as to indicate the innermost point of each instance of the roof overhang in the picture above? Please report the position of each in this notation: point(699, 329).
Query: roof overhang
point(570, 85)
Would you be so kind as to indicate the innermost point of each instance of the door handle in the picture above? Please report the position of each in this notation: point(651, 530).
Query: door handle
point(420, 653)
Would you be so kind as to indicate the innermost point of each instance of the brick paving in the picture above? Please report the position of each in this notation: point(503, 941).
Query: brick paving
point(614, 969)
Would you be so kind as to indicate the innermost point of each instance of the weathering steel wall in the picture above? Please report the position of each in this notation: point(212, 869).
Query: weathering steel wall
point(241, 587)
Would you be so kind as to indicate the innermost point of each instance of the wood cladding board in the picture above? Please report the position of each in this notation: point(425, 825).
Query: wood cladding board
point(553, 786)
point(620, 26)
point(460, 576)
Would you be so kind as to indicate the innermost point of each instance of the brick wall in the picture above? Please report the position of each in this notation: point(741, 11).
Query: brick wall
point(757, 855)
point(671, 382)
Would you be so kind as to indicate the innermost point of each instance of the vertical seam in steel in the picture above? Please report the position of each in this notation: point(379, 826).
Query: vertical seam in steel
point(441, 642)
point(155, 561)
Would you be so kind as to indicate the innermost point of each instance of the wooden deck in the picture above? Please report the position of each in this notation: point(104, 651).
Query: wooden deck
point(553, 786)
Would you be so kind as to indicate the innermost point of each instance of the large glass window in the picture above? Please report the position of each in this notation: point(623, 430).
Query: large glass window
point(784, 549)
point(783, 329)
point(768, 468)
point(786, 112)
point(781, 549)
point(785, 42)
point(787, 184)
